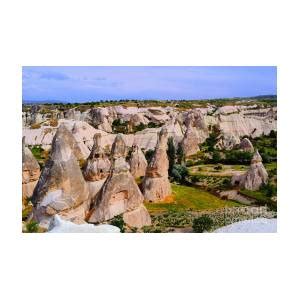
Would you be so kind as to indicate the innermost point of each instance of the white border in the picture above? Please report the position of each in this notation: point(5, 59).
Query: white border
point(172, 266)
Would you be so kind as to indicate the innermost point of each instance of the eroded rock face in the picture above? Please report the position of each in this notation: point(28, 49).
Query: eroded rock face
point(30, 171)
point(227, 141)
point(156, 185)
point(101, 119)
point(98, 164)
point(138, 163)
point(120, 193)
point(61, 188)
point(255, 177)
point(246, 145)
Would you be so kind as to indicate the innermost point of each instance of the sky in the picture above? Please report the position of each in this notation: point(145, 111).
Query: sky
point(76, 84)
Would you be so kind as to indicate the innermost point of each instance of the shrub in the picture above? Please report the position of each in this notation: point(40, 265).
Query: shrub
point(269, 190)
point(171, 151)
point(212, 139)
point(189, 163)
point(139, 127)
point(153, 125)
point(81, 163)
point(203, 223)
point(179, 173)
point(273, 134)
point(32, 226)
point(195, 178)
point(149, 154)
point(238, 157)
point(118, 222)
point(218, 167)
point(116, 122)
point(53, 122)
point(226, 182)
point(216, 157)
point(180, 154)
point(35, 126)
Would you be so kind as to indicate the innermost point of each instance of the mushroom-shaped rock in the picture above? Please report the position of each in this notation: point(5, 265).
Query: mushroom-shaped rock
point(61, 188)
point(246, 145)
point(156, 185)
point(255, 177)
point(120, 193)
point(98, 164)
point(30, 171)
point(137, 162)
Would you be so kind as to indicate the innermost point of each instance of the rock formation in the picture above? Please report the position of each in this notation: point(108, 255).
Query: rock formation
point(61, 188)
point(98, 164)
point(156, 185)
point(255, 177)
point(97, 167)
point(227, 141)
point(191, 140)
point(120, 193)
point(100, 119)
point(137, 162)
point(246, 145)
point(30, 171)
point(63, 133)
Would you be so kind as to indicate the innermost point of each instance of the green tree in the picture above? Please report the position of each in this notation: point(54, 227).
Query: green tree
point(149, 154)
point(179, 173)
point(171, 151)
point(118, 222)
point(180, 154)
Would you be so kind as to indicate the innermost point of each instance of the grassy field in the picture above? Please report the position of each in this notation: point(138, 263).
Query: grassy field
point(209, 169)
point(271, 166)
point(226, 170)
point(190, 199)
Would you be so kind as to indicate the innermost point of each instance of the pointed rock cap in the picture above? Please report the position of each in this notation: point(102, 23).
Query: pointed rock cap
point(256, 157)
point(64, 144)
point(138, 163)
point(118, 147)
point(162, 138)
point(97, 150)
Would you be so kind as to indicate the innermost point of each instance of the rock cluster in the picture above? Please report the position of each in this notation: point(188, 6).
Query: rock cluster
point(156, 186)
point(137, 162)
point(120, 193)
point(61, 188)
point(30, 171)
point(255, 177)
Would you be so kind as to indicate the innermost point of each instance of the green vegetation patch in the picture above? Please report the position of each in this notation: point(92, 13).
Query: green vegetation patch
point(190, 199)
point(263, 196)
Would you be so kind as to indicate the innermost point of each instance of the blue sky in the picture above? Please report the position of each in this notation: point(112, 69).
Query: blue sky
point(101, 83)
